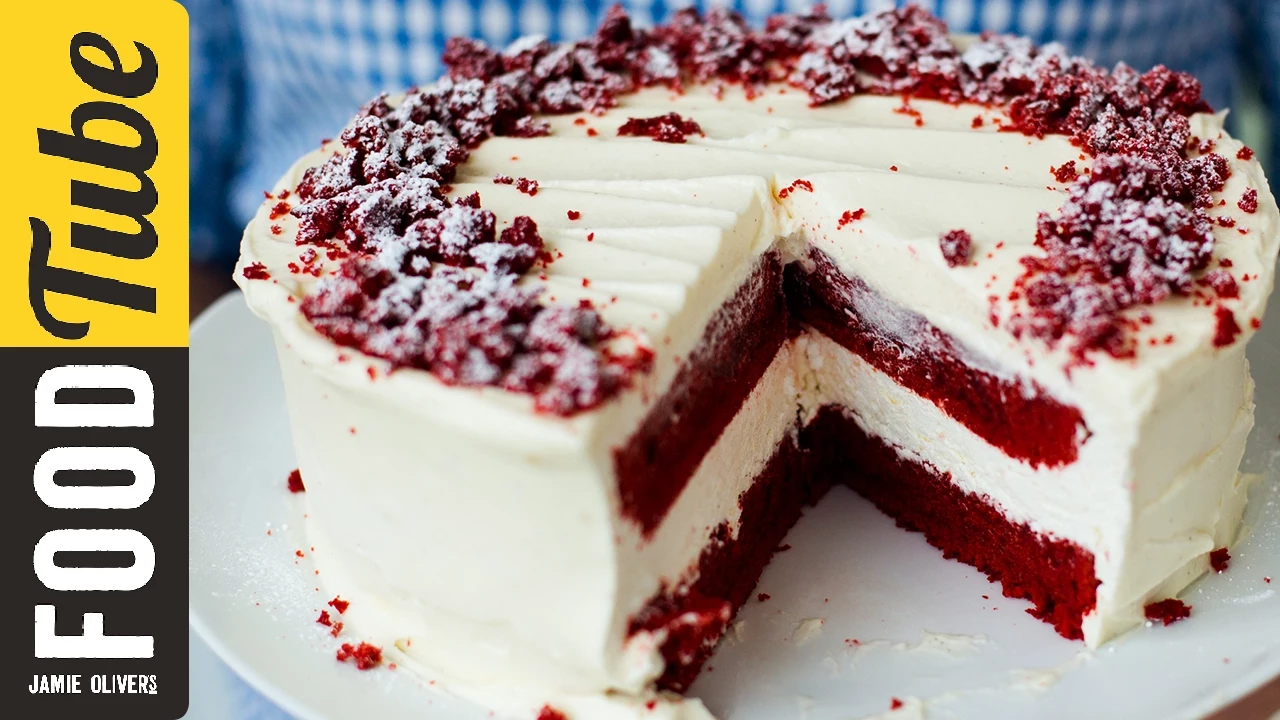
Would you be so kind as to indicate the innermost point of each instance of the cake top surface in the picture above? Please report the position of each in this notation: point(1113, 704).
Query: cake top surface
point(460, 230)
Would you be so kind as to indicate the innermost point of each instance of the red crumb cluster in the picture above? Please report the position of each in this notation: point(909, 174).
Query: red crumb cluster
point(1167, 611)
point(957, 247)
point(1249, 201)
point(364, 655)
point(1219, 559)
point(334, 627)
point(850, 216)
point(1065, 172)
point(427, 282)
point(549, 713)
point(294, 482)
point(669, 128)
point(256, 271)
point(1226, 329)
point(337, 603)
point(895, 704)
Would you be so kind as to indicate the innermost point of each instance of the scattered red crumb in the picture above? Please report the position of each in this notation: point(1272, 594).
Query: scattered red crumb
point(503, 180)
point(1227, 329)
point(1249, 201)
point(1222, 282)
point(906, 109)
point(1226, 221)
point(337, 628)
point(794, 186)
point(256, 271)
point(1167, 611)
point(977, 122)
point(276, 229)
point(650, 705)
point(1255, 323)
point(295, 481)
point(586, 282)
point(280, 210)
point(592, 132)
point(366, 656)
point(527, 186)
point(337, 603)
point(372, 373)
point(591, 237)
point(669, 128)
point(574, 214)
point(1219, 559)
point(895, 704)
point(1066, 172)
point(1266, 579)
point(324, 619)
point(1245, 153)
point(763, 596)
point(893, 168)
point(956, 246)
point(580, 121)
point(850, 216)
point(298, 553)
point(549, 713)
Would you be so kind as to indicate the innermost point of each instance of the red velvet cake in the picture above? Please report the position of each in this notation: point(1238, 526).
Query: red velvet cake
point(572, 337)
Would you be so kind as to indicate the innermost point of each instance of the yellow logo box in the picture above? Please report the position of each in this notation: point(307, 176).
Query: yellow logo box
point(95, 144)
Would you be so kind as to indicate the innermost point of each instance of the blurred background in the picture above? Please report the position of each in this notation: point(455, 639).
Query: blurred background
point(272, 78)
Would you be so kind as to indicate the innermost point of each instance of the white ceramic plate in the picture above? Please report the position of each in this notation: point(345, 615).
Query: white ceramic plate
point(850, 575)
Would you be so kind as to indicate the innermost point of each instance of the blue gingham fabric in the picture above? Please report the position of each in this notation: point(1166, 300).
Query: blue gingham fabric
point(271, 78)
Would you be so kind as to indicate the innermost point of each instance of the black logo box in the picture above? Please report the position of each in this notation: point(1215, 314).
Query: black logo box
point(158, 608)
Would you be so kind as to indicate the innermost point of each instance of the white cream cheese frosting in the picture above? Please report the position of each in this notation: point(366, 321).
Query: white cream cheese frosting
point(490, 536)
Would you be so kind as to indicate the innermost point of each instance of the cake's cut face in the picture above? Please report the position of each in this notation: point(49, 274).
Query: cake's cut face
point(571, 337)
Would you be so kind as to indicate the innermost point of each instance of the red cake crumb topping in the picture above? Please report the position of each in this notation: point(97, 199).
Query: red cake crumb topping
point(365, 656)
point(424, 282)
point(324, 619)
point(1245, 153)
point(549, 713)
point(1167, 611)
point(337, 603)
point(850, 216)
point(956, 246)
point(669, 128)
point(574, 214)
point(1226, 221)
point(1065, 172)
point(503, 180)
point(279, 210)
point(1249, 201)
point(1219, 559)
point(527, 186)
point(256, 271)
point(1255, 323)
point(762, 597)
point(295, 481)
point(895, 703)
point(1226, 330)
point(977, 122)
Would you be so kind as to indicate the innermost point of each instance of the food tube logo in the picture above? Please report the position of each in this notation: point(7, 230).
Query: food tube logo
point(93, 357)
point(136, 205)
